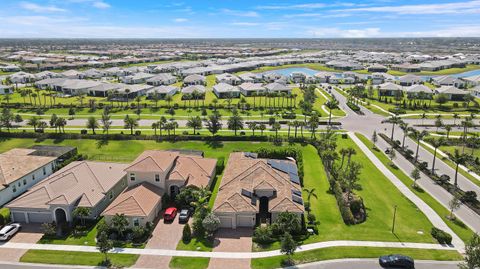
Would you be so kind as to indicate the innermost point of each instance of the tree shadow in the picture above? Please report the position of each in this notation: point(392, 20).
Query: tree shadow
point(101, 143)
point(215, 144)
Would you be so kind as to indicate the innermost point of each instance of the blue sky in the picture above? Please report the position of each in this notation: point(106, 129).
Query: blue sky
point(238, 19)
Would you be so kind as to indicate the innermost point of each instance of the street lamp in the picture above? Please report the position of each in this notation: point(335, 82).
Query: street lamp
point(394, 216)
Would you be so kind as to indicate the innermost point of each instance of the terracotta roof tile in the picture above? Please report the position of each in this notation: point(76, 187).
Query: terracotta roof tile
point(138, 201)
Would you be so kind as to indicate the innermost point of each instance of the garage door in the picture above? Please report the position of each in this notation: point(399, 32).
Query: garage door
point(244, 221)
point(18, 216)
point(39, 217)
point(225, 222)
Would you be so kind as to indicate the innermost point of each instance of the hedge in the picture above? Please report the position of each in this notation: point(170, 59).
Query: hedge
point(441, 236)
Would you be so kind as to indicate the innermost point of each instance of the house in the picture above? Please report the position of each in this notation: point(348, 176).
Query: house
point(377, 68)
point(46, 74)
point(255, 190)
point(377, 78)
point(448, 81)
point(270, 77)
point(348, 80)
point(162, 79)
point(195, 80)
point(228, 79)
point(409, 80)
point(10, 68)
point(70, 74)
point(162, 91)
point(91, 73)
point(248, 88)
point(194, 88)
point(6, 89)
point(88, 184)
point(137, 78)
point(419, 91)
point(276, 87)
point(453, 93)
point(407, 68)
point(475, 91)
point(251, 77)
point(389, 89)
point(103, 89)
point(76, 86)
point(473, 80)
point(323, 77)
point(298, 77)
point(22, 77)
point(20, 169)
point(153, 174)
point(224, 90)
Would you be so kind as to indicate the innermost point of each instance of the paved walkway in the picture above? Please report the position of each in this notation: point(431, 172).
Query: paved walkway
point(238, 240)
point(227, 255)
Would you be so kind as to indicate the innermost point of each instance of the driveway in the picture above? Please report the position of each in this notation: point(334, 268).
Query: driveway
point(164, 236)
point(30, 233)
point(232, 240)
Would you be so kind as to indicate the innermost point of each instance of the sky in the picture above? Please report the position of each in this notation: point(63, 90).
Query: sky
point(238, 19)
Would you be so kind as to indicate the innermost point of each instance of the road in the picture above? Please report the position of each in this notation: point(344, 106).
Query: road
point(371, 264)
point(372, 122)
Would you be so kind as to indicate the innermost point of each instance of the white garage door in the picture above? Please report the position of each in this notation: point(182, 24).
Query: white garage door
point(226, 222)
point(244, 221)
point(18, 216)
point(39, 217)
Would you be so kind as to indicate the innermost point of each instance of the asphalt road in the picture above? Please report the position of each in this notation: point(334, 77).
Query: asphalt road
point(373, 264)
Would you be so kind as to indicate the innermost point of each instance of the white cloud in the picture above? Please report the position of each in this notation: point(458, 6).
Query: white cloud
point(101, 4)
point(445, 8)
point(40, 9)
point(180, 20)
point(299, 6)
point(240, 13)
point(349, 33)
point(245, 23)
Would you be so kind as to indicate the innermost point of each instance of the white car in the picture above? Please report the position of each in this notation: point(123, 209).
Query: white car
point(8, 231)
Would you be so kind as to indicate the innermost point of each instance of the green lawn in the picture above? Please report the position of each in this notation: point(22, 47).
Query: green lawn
point(189, 263)
point(354, 252)
point(77, 258)
point(456, 225)
point(88, 239)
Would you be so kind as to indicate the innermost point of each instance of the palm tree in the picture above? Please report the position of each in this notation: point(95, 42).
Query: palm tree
point(34, 121)
point(168, 99)
point(161, 124)
point(343, 152)
point(195, 123)
point(23, 94)
point(310, 193)
point(331, 104)
point(61, 122)
point(394, 120)
point(276, 127)
point(350, 152)
point(106, 122)
point(405, 129)
point(424, 116)
point(458, 159)
point(235, 122)
point(120, 223)
point(417, 135)
point(455, 117)
point(138, 99)
point(92, 123)
point(466, 124)
point(127, 91)
point(81, 98)
point(313, 123)
point(436, 143)
point(448, 128)
point(262, 128)
point(155, 127)
point(130, 123)
point(252, 126)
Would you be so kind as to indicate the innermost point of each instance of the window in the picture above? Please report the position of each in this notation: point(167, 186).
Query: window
point(157, 177)
point(14, 189)
point(33, 177)
point(44, 170)
point(136, 223)
point(111, 195)
point(24, 182)
point(123, 183)
point(132, 176)
point(19, 184)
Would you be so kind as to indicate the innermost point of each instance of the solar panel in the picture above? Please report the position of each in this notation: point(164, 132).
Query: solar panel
point(297, 199)
point(247, 193)
point(250, 155)
point(297, 193)
point(286, 167)
point(295, 179)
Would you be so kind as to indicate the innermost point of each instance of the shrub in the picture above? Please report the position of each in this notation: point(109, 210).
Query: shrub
point(287, 222)
point(444, 179)
point(311, 218)
point(185, 133)
point(138, 233)
point(242, 133)
point(2, 220)
point(165, 200)
point(211, 223)
point(263, 235)
point(137, 133)
point(441, 236)
point(469, 197)
point(49, 229)
point(83, 131)
point(187, 233)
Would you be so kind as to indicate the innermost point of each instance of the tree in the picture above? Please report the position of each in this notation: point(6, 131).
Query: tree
point(455, 117)
point(262, 128)
point(472, 254)
point(6, 119)
point(130, 123)
point(441, 99)
point(406, 130)
point(92, 123)
point(453, 205)
point(459, 159)
point(104, 245)
point(81, 213)
point(127, 92)
point(214, 123)
point(61, 122)
point(155, 127)
point(211, 223)
point(310, 193)
point(350, 177)
point(436, 143)
point(34, 121)
point(392, 155)
point(168, 99)
point(448, 128)
point(53, 121)
point(235, 122)
point(416, 176)
point(276, 127)
point(106, 122)
point(187, 233)
point(252, 126)
point(438, 123)
point(288, 246)
point(418, 136)
point(394, 120)
point(331, 104)
point(374, 139)
point(195, 123)
point(313, 124)
point(120, 223)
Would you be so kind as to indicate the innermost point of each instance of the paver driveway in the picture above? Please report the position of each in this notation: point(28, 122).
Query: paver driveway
point(30, 233)
point(232, 240)
point(164, 236)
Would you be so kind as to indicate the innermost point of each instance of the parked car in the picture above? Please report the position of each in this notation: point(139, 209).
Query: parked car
point(396, 261)
point(9, 230)
point(184, 215)
point(170, 214)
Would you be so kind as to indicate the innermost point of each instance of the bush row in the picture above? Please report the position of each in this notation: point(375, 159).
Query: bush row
point(441, 236)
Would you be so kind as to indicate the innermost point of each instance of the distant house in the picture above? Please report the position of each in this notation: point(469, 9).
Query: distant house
point(46, 74)
point(254, 191)
point(22, 77)
point(453, 93)
point(409, 80)
point(448, 81)
point(407, 68)
point(323, 77)
point(10, 68)
point(473, 80)
point(298, 77)
point(162, 91)
point(377, 68)
point(162, 79)
point(6, 89)
point(154, 174)
point(419, 91)
point(79, 184)
point(377, 78)
point(195, 80)
point(271, 77)
point(91, 73)
point(194, 88)
point(278, 88)
point(137, 78)
point(228, 79)
point(251, 77)
point(389, 89)
point(248, 89)
point(70, 74)
point(224, 90)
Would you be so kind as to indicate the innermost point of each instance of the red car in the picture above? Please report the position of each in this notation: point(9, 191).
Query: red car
point(170, 214)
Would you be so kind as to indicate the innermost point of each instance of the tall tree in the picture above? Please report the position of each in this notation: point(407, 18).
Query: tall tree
point(6, 119)
point(416, 176)
point(92, 123)
point(418, 136)
point(459, 159)
point(130, 123)
point(120, 223)
point(394, 120)
point(33, 121)
point(252, 126)
point(406, 130)
point(213, 123)
point(104, 245)
point(331, 105)
point(106, 122)
point(235, 122)
point(472, 254)
point(195, 123)
point(436, 143)
point(276, 127)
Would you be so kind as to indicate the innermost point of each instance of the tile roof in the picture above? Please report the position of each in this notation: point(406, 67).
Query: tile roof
point(136, 201)
point(153, 160)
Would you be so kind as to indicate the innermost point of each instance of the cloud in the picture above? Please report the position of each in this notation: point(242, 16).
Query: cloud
point(298, 6)
point(445, 8)
point(349, 33)
point(245, 23)
point(40, 9)
point(101, 4)
point(240, 13)
point(180, 20)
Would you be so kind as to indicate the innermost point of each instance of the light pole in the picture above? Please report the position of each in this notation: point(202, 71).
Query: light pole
point(394, 216)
